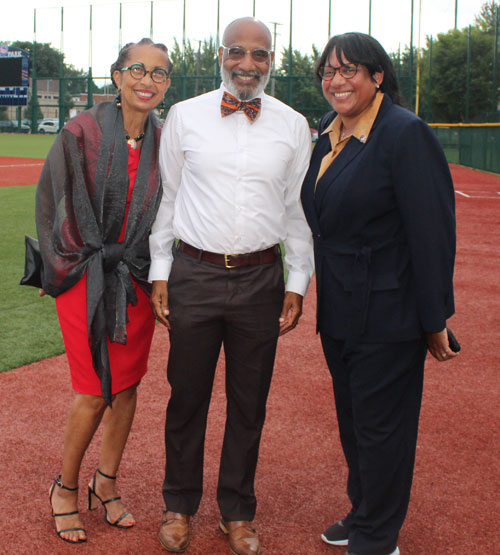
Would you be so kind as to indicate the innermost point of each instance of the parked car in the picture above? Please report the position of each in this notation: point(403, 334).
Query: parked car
point(24, 127)
point(8, 126)
point(49, 125)
point(26, 124)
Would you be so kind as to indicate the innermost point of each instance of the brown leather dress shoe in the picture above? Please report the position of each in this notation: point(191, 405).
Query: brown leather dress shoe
point(174, 532)
point(243, 539)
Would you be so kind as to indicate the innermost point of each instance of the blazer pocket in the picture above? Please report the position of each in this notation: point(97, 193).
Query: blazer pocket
point(384, 282)
point(379, 282)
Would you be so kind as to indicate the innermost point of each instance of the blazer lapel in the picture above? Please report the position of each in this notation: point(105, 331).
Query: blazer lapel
point(349, 152)
point(308, 187)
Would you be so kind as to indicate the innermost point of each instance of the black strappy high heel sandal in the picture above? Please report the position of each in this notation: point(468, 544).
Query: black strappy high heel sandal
point(59, 484)
point(93, 505)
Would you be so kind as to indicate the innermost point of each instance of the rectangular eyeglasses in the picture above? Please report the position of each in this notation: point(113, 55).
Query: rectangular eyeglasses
point(237, 53)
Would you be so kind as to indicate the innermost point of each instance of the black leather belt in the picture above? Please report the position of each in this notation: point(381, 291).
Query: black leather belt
point(266, 256)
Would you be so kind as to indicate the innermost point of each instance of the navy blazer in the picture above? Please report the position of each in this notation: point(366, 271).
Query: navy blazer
point(383, 222)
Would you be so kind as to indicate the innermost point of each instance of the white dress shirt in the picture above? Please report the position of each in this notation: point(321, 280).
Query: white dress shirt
point(233, 186)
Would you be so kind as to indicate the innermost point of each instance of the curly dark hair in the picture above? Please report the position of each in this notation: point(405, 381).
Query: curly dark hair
point(125, 51)
point(362, 49)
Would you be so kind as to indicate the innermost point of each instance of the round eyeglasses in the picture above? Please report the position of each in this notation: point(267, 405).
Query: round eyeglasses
point(237, 53)
point(327, 73)
point(138, 71)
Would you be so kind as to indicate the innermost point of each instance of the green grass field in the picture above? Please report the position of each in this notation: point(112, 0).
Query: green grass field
point(29, 329)
point(25, 146)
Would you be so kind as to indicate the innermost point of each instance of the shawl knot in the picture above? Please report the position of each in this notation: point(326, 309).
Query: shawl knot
point(112, 254)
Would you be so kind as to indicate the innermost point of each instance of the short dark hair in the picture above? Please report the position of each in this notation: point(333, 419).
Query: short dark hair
point(362, 49)
point(125, 51)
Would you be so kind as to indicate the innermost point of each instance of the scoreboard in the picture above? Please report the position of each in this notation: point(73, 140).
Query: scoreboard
point(11, 72)
point(13, 77)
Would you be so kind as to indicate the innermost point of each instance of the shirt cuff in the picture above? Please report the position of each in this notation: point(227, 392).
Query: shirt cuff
point(297, 282)
point(159, 270)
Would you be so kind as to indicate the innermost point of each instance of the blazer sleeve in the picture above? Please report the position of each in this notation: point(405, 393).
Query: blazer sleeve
point(426, 200)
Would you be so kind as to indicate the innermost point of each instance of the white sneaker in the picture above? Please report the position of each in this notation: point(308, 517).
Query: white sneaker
point(336, 534)
point(395, 552)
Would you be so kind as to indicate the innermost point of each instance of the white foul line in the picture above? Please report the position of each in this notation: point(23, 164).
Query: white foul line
point(20, 165)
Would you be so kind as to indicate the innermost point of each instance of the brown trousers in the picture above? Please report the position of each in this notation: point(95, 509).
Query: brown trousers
point(211, 306)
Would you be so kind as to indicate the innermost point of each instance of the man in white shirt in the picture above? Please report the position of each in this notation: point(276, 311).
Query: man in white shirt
point(231, 175)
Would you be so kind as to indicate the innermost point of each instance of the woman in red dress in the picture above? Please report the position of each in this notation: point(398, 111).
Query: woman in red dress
point(96, 200)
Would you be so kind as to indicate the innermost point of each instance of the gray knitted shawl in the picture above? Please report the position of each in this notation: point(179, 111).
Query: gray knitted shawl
point(80, 209)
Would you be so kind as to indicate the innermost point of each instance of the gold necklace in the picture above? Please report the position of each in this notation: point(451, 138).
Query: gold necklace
point(344, 134)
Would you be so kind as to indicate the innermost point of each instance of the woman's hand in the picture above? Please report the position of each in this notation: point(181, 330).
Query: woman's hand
point(159, 302)
point(439, 347)
point(41, 292)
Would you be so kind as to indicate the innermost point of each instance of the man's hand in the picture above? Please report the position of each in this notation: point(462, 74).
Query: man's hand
point(159, 302)
point(291, 312)
point(439, 345)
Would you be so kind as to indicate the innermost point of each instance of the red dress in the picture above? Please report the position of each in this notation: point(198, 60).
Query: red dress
point(128, 362)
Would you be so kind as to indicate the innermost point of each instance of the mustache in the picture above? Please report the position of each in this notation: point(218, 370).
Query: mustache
point(246, 73)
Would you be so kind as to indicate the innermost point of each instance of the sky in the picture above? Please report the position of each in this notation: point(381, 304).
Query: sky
point(390, 22)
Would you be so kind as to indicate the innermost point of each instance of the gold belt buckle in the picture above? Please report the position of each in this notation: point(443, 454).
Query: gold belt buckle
point(226, 259)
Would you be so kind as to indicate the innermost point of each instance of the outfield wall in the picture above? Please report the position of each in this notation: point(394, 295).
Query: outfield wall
point(473, 145)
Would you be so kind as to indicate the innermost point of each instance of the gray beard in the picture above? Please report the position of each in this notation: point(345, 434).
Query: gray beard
point(246, 94)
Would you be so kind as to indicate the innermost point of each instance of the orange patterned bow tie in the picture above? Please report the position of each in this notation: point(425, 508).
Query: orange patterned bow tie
point(230, 104)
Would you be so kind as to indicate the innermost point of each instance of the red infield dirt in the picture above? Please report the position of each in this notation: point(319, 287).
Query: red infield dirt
point(19, 171)
point(301, 475)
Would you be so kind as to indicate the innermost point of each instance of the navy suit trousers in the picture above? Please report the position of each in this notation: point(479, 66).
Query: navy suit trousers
point(378, 392)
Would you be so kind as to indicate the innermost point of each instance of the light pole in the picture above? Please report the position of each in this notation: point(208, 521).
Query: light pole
point(183, 87)
point(119, 27)
point(329, 19)
point(198, 65)
point(370, 17)
point(273, 69)
point(410, 77)
point(151, 21)
point(290, 57)
point(417, 93)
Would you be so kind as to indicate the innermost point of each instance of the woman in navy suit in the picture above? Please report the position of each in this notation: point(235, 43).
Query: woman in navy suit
point(379, 199)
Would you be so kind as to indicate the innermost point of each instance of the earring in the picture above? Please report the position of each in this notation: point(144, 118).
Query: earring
point(377, 86)
point(162, 107)
point(118, 99)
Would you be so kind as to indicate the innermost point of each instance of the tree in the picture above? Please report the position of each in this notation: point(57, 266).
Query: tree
point(447, 93)
point(32, 110)
point(196, 73)
point(485, 21)
point(303, 92)
point(47, 58)
point(405, 68)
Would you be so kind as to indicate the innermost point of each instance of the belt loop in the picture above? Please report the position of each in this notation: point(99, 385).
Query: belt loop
point(260, 257)
point(200, 256)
